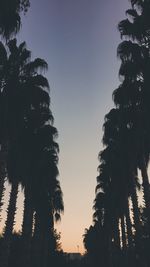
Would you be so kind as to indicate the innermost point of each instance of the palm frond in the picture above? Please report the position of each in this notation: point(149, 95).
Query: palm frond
point(38, 80)
point(22, 47)
point(132, 12)
point(125, 28)
point(130, 51)
point(24, 57)
point(3, 54)
point(37, 65)
point(12, 44)
point(57, 216)
point(9, 25)
point(138, 3)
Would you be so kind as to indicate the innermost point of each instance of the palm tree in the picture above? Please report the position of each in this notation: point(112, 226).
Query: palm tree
point(117, 165)
point(20, 84)
point(51, 204)
point(138, 55)
point(34, 138)
point(44, 195)
point(93, 240)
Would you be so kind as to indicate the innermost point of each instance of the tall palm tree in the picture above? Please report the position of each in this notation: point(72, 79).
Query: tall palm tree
point(20, 84)
point(51, 205)
point(115, 182)
point(44, 192)
point(93, 240)
point(138, 55)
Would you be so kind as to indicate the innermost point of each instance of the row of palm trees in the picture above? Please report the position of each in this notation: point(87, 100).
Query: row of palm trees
point(121, 228)
point(29, 151)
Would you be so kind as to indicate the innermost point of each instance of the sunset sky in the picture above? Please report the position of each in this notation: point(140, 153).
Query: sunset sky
point(78, 39)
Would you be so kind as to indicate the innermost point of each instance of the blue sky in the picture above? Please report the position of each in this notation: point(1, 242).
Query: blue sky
point(78, 39)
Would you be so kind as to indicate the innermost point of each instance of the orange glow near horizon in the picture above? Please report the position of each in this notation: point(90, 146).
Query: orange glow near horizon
point(71, 236)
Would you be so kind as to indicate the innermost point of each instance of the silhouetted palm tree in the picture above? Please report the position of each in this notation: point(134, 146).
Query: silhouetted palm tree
point(116, 184)
point(27, 130)
point(138, 55)
point(93, 240)
point(47, 190)
point(22, 89)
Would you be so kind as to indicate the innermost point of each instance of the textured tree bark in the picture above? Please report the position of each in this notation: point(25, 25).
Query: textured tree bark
point(3, 154)
point(41, 239)
point(2, 188)
point(11, 211)
point(146, 191)
point(108, 239)
point(129, 226)
point(116, 233)
point(124, 241)
point(136, 219)
point(48, 236)
point(36, 243)
point(27, 228)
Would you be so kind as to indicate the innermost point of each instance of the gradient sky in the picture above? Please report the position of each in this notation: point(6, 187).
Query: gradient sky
point(78, 39)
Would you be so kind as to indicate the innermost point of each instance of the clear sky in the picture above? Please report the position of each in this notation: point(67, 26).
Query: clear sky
point(78, 39)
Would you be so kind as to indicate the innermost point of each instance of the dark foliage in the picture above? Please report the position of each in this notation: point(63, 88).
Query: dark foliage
point(10, 20)
point(124, 227)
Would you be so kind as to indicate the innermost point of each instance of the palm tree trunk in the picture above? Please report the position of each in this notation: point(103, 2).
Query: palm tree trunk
point(9, 224)
point(2, 189)
point(146, 186)
point(124, 241)
point(136, 218)
point(116, 233)
point(2, 175)
point(108, 238)
point(117, 242)
point(41, 240)
point(48, 239)
point(45, 247)
point(27, 228)
point(36, 244)
point(129, 225)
